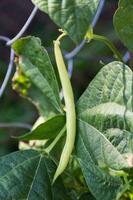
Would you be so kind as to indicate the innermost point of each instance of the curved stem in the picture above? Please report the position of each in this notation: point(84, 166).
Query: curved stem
point(109, 44)
point(51, 146)
point(64, 33)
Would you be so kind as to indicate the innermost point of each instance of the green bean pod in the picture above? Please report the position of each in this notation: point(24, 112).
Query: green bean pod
point(70, 110)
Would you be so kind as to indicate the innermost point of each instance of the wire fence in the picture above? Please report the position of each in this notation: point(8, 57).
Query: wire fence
point(68, 56)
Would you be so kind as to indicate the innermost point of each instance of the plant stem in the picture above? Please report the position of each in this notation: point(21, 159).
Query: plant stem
point(109, 44)
point(64, 33)
point(50, 147)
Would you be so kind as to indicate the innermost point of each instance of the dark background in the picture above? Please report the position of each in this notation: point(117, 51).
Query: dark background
point(13, 15)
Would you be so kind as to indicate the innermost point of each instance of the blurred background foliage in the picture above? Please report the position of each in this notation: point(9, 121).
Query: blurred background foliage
point(87, 63)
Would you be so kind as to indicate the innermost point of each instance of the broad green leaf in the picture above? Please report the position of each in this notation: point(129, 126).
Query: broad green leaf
point(123, 19)
point(109, 115)
point(94, 150)
point(107, 102)
point(101, 150)
point(121, 139)
point(22, 84)
point(73, 16)
point(26, 88)
point(28, 175)
point(105, 105)
point(36, 65)
point(87, 196)
point(113, 83)
point(56, 151)
point(47, 130)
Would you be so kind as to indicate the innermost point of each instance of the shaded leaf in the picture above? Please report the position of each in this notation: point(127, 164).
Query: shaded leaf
point(28, 175)
point(101, 150)
point(113, 83)
point(36, 65)
point(121, 139)
point(109, 115)
point(108, 100)
point(47, 130)
point(92, 149)
point(123, 19)
point(73, 16)
point(28, 90)
point(106, 105)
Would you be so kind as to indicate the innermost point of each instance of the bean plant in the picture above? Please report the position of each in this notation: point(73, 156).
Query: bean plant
point(76, 150)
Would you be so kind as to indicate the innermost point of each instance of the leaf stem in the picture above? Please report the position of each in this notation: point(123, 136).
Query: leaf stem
point(51, 146)
point(109, 44)
point(91, 36)
point(64, 33)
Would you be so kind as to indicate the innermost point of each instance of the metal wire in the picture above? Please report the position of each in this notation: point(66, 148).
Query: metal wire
point(126, 57)
point(70, 56)
point(70, 67)
point(24, 28)
point(15, 125)
point(9, 68)
point(77, 49)
point(9, 42)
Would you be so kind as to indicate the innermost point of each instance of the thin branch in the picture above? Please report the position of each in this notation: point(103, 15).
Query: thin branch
point(28, 22)
point(60, 134)
point(109, 44)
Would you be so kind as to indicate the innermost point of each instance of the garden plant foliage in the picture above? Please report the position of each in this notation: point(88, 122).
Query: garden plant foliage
point(101, 165)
